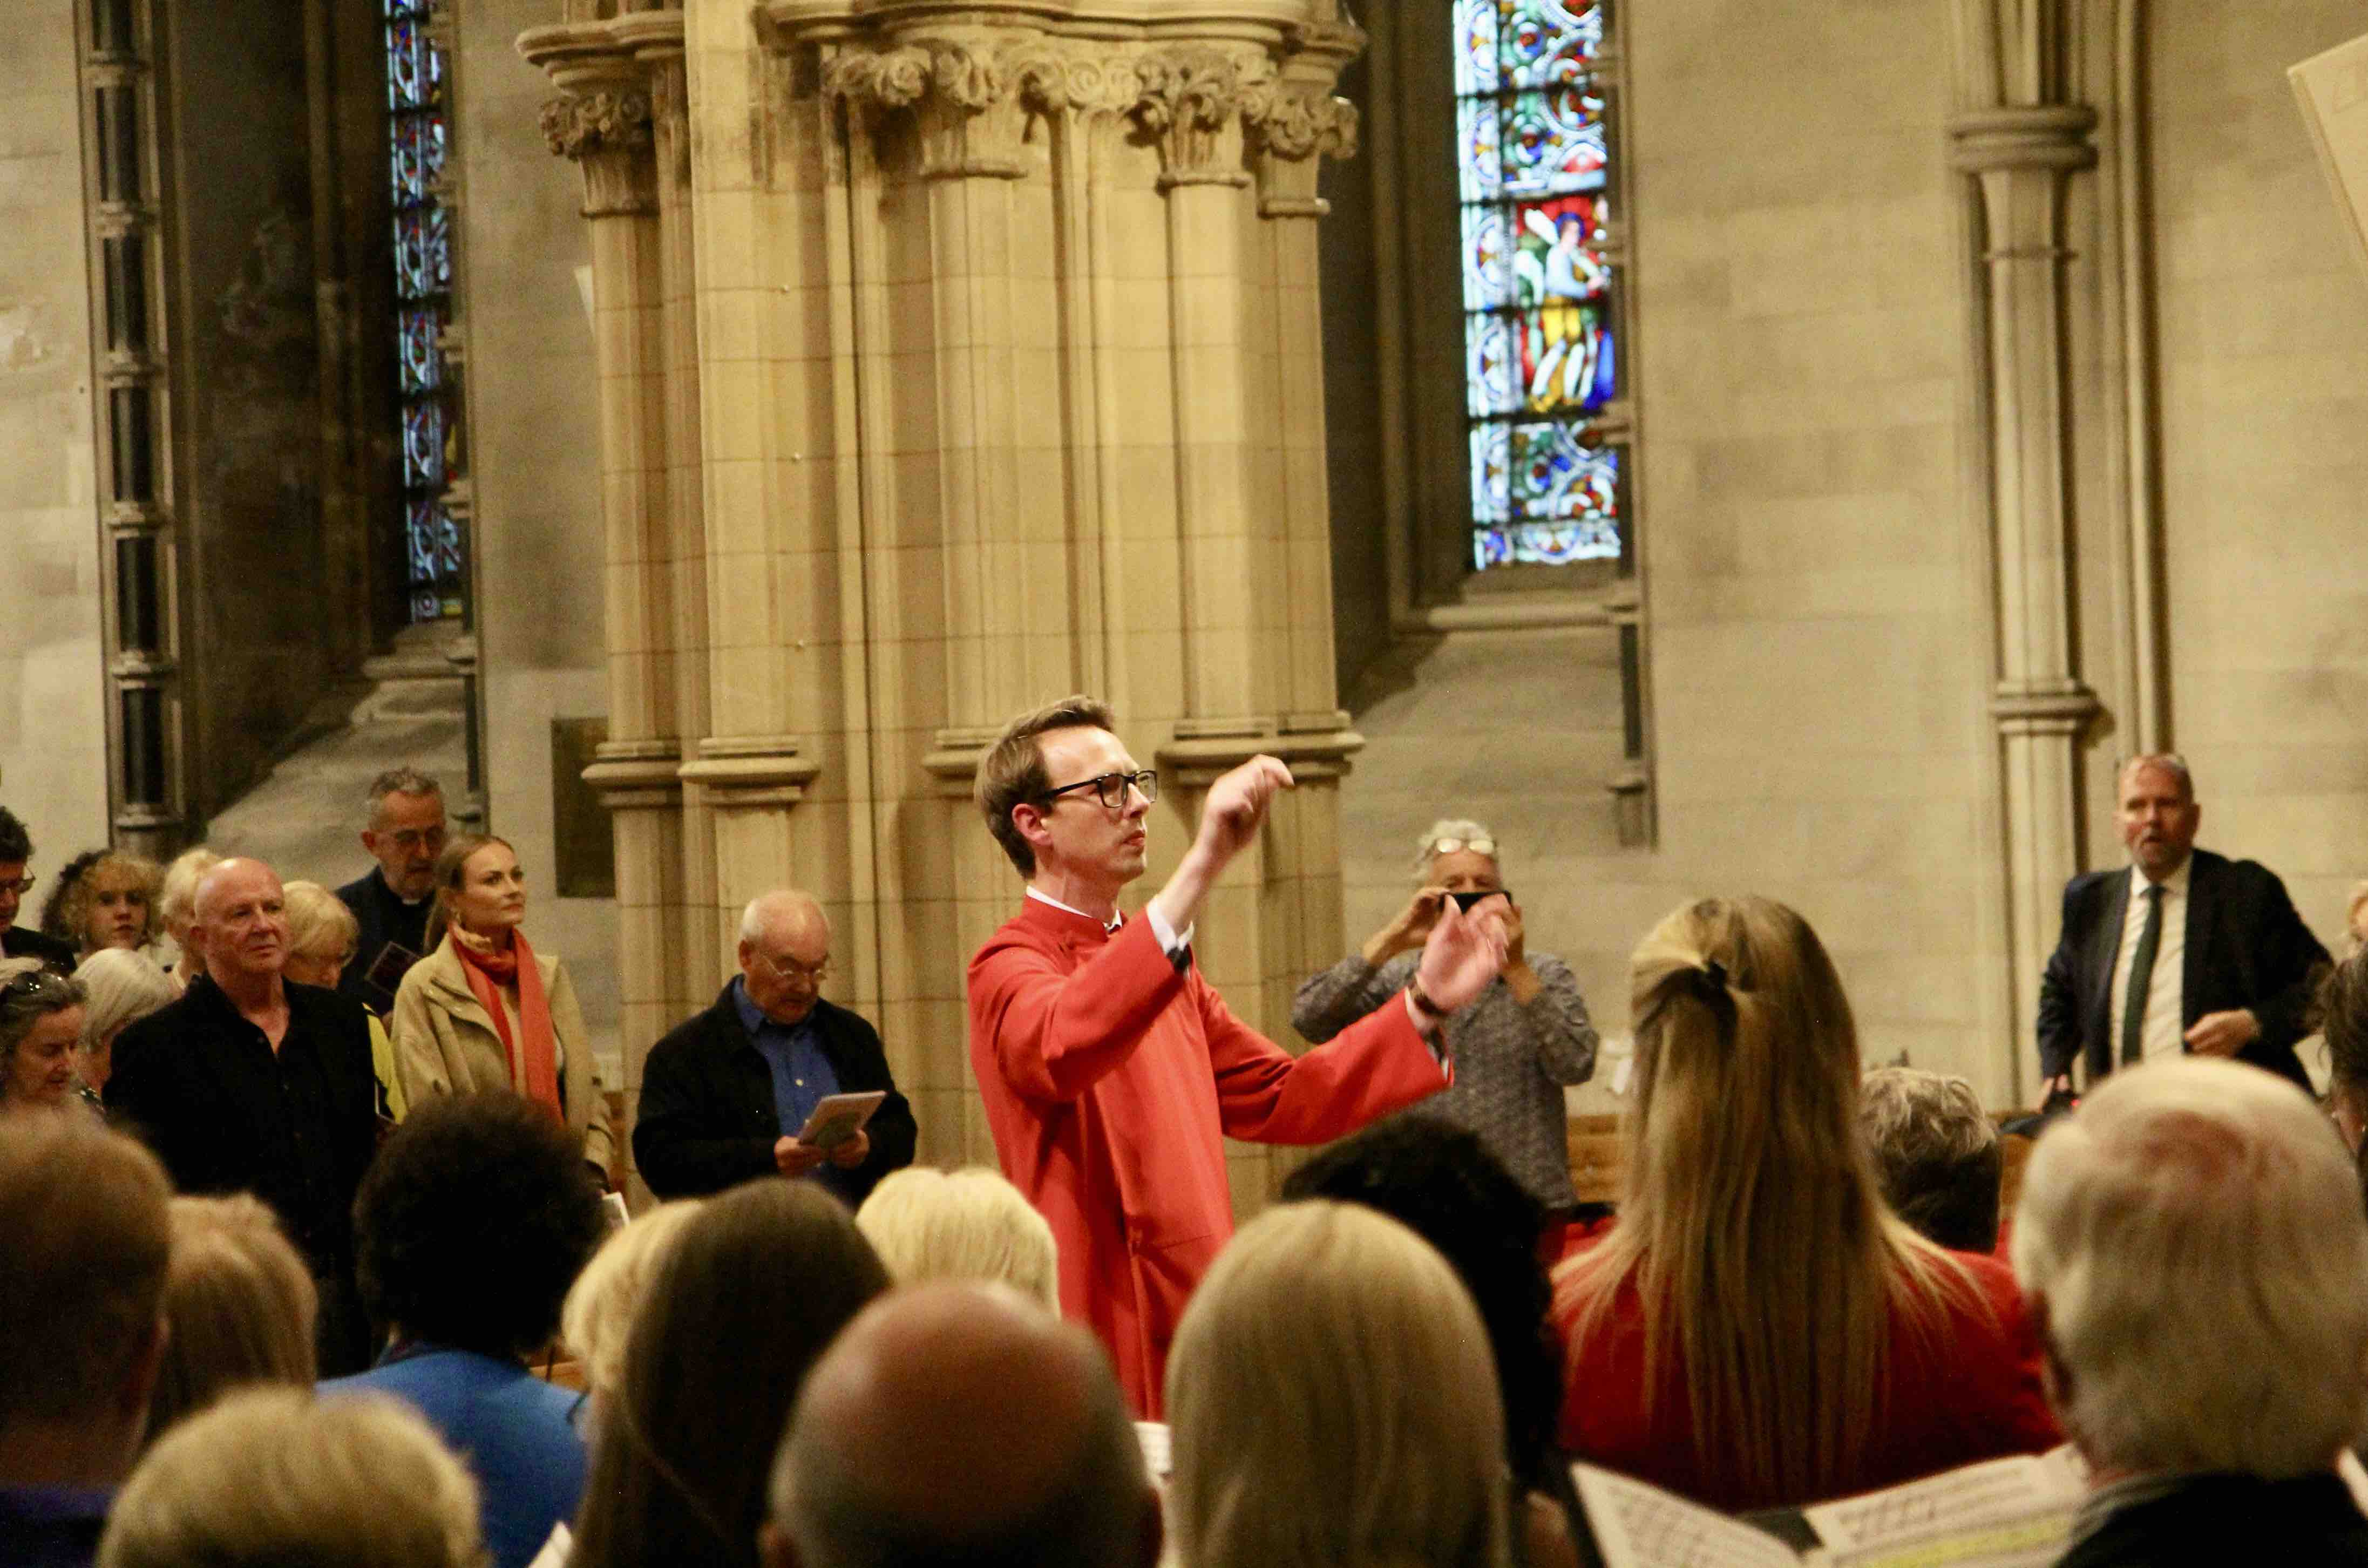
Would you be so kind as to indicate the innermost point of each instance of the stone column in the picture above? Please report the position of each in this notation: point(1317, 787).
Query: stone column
point(2022, 142)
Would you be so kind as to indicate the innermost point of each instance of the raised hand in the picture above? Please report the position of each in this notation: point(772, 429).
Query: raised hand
point(1234, 807)
point(1465, 949)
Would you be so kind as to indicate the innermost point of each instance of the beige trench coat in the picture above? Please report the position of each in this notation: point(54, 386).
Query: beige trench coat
point(445, 1043)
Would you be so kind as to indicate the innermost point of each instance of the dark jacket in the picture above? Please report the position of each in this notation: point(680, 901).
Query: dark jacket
point(380, 917)
point(2245, 948)
point(24, 942)
point(2301, 1523)
point(227, 1113)
point(707, 1120)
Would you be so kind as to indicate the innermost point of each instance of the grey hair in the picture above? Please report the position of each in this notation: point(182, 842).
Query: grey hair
point(1936, 1154)
point(2169, 762)
point(1450, 827)
point(966, 1224)
point(2193, 1243)
point(177, 905)
point(399, 782)
point(19, 1011)
point(122, 987)
point(752, 917)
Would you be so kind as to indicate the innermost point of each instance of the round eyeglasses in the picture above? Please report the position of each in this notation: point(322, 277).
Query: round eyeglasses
point(1111, 788)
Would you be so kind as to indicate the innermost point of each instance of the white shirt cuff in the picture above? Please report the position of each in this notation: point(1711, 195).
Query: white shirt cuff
point(1170, 942)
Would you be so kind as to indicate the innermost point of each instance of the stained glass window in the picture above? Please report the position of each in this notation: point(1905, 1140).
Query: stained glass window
point(423, 285)
point(1541, 330)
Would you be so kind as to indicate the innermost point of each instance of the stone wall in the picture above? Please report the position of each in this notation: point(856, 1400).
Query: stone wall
point(53, 721)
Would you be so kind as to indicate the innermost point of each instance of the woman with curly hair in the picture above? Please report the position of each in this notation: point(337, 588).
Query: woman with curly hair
point(1759, 1330)
point(105, 900)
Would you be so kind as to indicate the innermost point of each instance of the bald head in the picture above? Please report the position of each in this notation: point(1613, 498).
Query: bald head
point(961, 1423)
point(239, 922)
point(784, 953)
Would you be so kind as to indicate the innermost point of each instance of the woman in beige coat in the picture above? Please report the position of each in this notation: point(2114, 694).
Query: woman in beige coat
point(484, 1010)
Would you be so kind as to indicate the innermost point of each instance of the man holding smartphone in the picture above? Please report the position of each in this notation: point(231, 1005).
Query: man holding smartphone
point(733, 1094)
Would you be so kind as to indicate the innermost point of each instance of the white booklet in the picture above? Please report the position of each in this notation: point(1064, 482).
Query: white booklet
point(2008, 1513)
point(838, 1117)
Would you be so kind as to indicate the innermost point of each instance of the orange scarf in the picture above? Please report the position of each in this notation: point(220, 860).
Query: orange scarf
point(533, 1061)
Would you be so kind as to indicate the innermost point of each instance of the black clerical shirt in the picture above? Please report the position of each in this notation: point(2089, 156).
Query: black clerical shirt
point(226, 1113)
point(380, 917)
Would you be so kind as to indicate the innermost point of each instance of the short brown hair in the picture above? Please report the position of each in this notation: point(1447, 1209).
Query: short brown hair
point(241, 1306)
point(82, 1226)
point(1012, 771)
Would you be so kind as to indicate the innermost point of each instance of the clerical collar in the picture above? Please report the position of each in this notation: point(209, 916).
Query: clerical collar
point(1110, 927)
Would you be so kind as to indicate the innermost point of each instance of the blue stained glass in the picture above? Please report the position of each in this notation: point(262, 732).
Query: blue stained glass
point(447, 546)
point(1487, 259)
point(439, 248)
point(1476, 47)
point(1494, 389)
point(407, 65)
point(1551, 142)
point(425, 606)
point(418, 147)
point(419, 538)
point(1555, 501)
point(1484, 165)
point(422, 362)
point(1543, 42)
point(1492, 462)
point(423, 446)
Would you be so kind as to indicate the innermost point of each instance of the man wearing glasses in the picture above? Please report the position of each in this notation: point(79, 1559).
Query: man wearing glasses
point(1111, 1072)
point(23, 941)
point(724, 1096)
point(391, 904)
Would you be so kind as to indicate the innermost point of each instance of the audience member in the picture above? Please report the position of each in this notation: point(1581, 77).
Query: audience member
point(40, 1024)
point(2193, 1249)
point(1759, 1330)
point(1441, 1182)
point(2124, 985)
point(1515, 1045)
point(18, 940)
point(119, 988)
point(1112, 1072)
point(321, 935)
point(1333, 1401)
point(176, 906)
point(2355, 919)
point(469, 1230)
point(2342, 1010)
point(271, 1479)
point(724, 1095)
point(959, 1425)
point(1936, 1155)
point(105, 900)
point(392, 901)
point(596, 1322)
point(239, 1304)
point(966, 1224)
point(250, 1085)
point(484, 1010)
point(759, 1281)
point(82, 1288)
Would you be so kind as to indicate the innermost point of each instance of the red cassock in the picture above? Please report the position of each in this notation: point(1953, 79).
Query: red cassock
point(1112, 1079)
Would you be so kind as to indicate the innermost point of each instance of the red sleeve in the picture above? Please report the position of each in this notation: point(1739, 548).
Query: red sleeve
point(1056, 1033)
point(1376, 1066)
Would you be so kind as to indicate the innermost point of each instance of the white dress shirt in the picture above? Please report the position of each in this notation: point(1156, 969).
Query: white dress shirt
point(2164, 1030)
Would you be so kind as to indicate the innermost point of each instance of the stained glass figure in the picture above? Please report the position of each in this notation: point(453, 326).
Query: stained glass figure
point(423, 284)
point(1539, 287)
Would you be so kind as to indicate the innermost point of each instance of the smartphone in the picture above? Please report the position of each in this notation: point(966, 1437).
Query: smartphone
point(1464, 901)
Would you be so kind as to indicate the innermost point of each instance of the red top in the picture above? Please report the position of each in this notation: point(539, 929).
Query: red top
point(1111, 1080)
point(1967, 1393)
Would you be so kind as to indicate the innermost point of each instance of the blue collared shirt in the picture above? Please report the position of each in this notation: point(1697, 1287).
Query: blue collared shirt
point(801, 1074)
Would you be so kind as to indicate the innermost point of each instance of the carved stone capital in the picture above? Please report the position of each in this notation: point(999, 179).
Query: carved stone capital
point(970, 118)
point(1290, 127)
point(1189, 100)
point(609, 133)
point(1076, 79)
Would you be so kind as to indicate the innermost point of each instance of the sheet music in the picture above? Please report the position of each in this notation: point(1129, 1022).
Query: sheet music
point(2009, 1513)
point(1153, 1435)
point(1638, 1526)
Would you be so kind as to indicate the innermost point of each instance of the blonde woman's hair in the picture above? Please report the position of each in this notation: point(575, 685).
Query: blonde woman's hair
point(240, 1304)
point(1750, 1224)
point(1333, 1400)
point(1462, 829)
point(2196, 1237)
point(121, 987)
point(597, 1321)
point(177, 905)
point(451, 871)
point(270, 1477)
point(318, 921)
point(966, 1224)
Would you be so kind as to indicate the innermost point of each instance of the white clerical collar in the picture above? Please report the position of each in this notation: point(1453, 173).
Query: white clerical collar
point(2173, 885)
point(1113, 924)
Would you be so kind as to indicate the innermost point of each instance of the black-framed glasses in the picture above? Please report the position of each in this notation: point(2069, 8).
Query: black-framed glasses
point(18, 885)
point(1111, 788)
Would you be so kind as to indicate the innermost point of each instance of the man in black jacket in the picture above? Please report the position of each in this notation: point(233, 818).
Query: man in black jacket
point(391, 901)
point(724, 1095)
point(23, 941)
point(2183, 952)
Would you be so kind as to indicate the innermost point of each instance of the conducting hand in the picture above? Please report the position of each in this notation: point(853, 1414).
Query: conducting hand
point(1465, 951)
point(1235, 806)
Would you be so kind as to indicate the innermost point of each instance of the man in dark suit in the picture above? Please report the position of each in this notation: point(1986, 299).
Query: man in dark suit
point(23, 941)
point(724, 1097)
point(2184, 951)
point(391, 901)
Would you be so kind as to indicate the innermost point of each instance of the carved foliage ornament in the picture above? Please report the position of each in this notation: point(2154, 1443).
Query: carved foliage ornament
point(578, 126)
point(1301, 122)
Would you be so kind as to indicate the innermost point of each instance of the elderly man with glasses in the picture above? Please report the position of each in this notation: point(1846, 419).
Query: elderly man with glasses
point(724, 1096)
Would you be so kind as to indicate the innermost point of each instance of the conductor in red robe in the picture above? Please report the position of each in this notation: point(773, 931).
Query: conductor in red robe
point(1111, 1072)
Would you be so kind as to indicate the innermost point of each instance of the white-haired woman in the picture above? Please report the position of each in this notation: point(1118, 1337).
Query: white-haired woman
point(121, 987)
point(176, 906)
point(964, 1224)
point(40, 1020)
point(322, 936)
point(1333, 1400)
point(1514, 1047)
